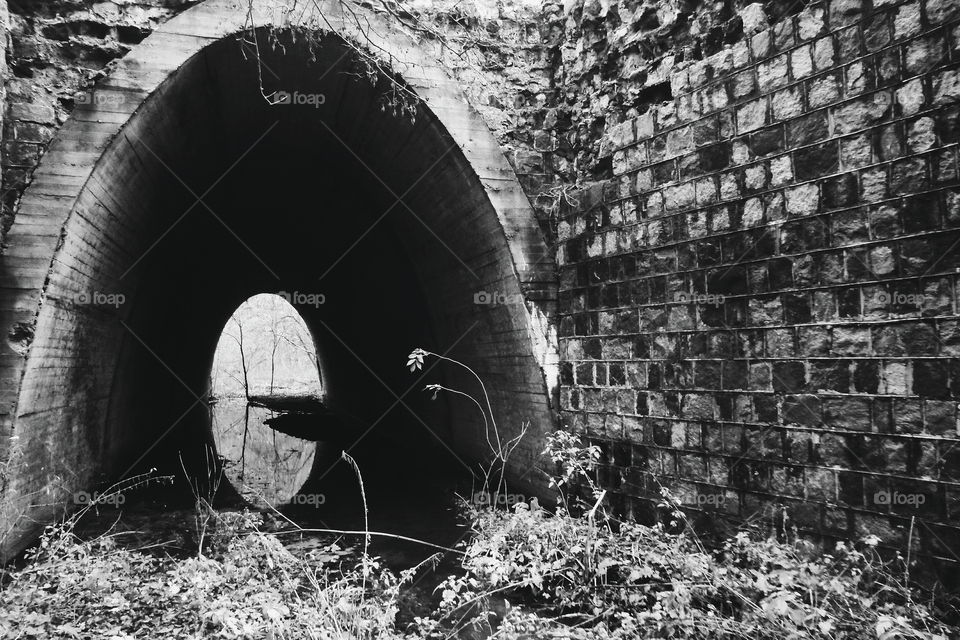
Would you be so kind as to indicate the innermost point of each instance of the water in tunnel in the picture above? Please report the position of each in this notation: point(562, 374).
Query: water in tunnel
point(265, 360)
point(278, 439)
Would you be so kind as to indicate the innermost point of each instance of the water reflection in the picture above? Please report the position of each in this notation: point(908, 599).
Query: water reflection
point(265, 466)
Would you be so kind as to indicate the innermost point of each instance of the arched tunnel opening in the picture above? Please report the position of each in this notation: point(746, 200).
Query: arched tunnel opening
point(310, 209)
point(369, 218)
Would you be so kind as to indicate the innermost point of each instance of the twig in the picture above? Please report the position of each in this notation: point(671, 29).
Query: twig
point(380, 534)
point(366, 515)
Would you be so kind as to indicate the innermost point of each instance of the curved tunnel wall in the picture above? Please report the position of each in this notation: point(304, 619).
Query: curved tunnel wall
point(180, 192)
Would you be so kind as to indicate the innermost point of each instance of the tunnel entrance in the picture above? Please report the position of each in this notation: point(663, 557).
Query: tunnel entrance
point(413, 231)
point(266, 400)
point(266, 351)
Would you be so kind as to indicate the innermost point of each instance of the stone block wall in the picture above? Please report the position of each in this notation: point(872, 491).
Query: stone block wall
point(760, 307)
point(55, 50)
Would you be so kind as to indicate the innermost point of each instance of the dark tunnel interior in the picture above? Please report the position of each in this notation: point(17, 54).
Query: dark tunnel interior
point(373, 312)
point(276, 202)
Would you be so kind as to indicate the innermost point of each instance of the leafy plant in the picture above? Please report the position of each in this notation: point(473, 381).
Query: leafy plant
point(500, 450)
point(574, 461)
point(554, 574)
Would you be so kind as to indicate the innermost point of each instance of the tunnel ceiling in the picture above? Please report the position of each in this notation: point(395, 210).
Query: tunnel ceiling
point(182, 199)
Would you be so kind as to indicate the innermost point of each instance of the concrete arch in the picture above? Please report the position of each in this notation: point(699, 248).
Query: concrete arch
point(180, 126)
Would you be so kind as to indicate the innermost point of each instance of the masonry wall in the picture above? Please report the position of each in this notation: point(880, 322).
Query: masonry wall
point(760, 307)
point(55, 51)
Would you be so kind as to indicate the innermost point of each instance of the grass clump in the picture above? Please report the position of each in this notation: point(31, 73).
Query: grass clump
point(245, 585)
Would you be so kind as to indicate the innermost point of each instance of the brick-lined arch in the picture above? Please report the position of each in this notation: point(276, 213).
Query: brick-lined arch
point(174, 116)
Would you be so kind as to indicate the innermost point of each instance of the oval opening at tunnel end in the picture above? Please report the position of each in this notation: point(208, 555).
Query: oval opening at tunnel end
point(265, 385)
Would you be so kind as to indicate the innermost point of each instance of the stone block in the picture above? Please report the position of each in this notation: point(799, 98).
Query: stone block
point(906, 20)
point(752, 115)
